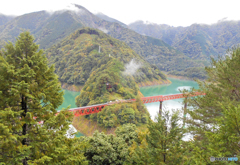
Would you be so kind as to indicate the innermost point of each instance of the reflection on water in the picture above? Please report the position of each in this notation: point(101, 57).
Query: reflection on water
point(153, 108)
point(183, 87)
point(173, 88)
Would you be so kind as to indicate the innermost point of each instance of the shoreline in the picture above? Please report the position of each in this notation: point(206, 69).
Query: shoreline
point(87, 127)
point(154, 83)
point(180, 77)
point(77, 88)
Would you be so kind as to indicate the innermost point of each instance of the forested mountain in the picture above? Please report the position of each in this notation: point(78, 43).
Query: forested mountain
point(177, 50)
point(198, 41)
point(109, 70)
point(50, 28)
point(47, 28)
point(5, 19)
point(109, 19)
point(86, 50)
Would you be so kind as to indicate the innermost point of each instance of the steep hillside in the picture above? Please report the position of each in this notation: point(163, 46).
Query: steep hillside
point(109, 83)
point(224, 34)
point(5, 19)
point(109, 19)
point(109, 70)
point(47, 28)
point(31, 21)
point(50, 29)
point(198, 41)
point(77, 56)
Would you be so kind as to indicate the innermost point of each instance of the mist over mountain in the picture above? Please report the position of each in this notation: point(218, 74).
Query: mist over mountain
point(50, 28)
point(177, 50)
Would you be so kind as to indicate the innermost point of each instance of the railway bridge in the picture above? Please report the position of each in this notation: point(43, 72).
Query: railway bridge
point(87, 110)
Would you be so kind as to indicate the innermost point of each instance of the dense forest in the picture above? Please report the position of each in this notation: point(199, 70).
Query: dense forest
point(215, 138)
point(199, 42)
point(31, 133)
point(108, 84)
point(86, 50)
point(108, 70)
point(110, 61)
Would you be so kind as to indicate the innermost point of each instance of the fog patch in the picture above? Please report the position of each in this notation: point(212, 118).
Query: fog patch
point(148, 23)
point(70, 7)
point(132, 67)
point(103, 29)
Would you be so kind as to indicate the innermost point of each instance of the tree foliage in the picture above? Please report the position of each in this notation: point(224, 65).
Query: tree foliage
point(107, 84)
point(162, 144)
point(215, 117)
point(110, 149)
point(119, 114)
point(30, 93)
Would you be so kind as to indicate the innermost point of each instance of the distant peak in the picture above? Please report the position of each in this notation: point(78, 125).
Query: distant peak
point(69, 7)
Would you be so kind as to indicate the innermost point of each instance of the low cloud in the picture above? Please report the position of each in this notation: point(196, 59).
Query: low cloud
point(103, 29)
point(132, 67)
point(70, 7)
point(149, 23)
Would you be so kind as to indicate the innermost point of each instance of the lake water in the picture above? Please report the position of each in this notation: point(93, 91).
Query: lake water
point(153, 108)
point(173, 88)
point(69, 99)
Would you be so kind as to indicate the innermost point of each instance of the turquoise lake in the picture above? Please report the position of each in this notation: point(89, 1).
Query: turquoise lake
point(153, 108)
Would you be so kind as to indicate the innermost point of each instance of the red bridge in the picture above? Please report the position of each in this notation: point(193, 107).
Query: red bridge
point(98, 107)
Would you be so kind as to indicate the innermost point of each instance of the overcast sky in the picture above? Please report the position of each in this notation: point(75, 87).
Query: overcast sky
point(171, 12)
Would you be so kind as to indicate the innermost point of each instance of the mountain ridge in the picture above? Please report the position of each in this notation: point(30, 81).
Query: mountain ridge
point(5, 19)
point(210, 40)
point(49, 29)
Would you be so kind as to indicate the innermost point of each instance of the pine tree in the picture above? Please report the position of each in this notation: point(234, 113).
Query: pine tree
point(162, 144)
point(30, 93)
point(215, 117)
point(222, 85)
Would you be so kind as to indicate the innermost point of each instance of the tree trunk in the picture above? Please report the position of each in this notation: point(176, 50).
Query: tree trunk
point(24, 127)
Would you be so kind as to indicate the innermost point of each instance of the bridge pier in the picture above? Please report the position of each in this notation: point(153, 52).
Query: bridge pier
point(184, 114)
point(160, 108)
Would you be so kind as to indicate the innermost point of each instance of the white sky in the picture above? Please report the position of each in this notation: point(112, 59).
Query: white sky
point(171, 12)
